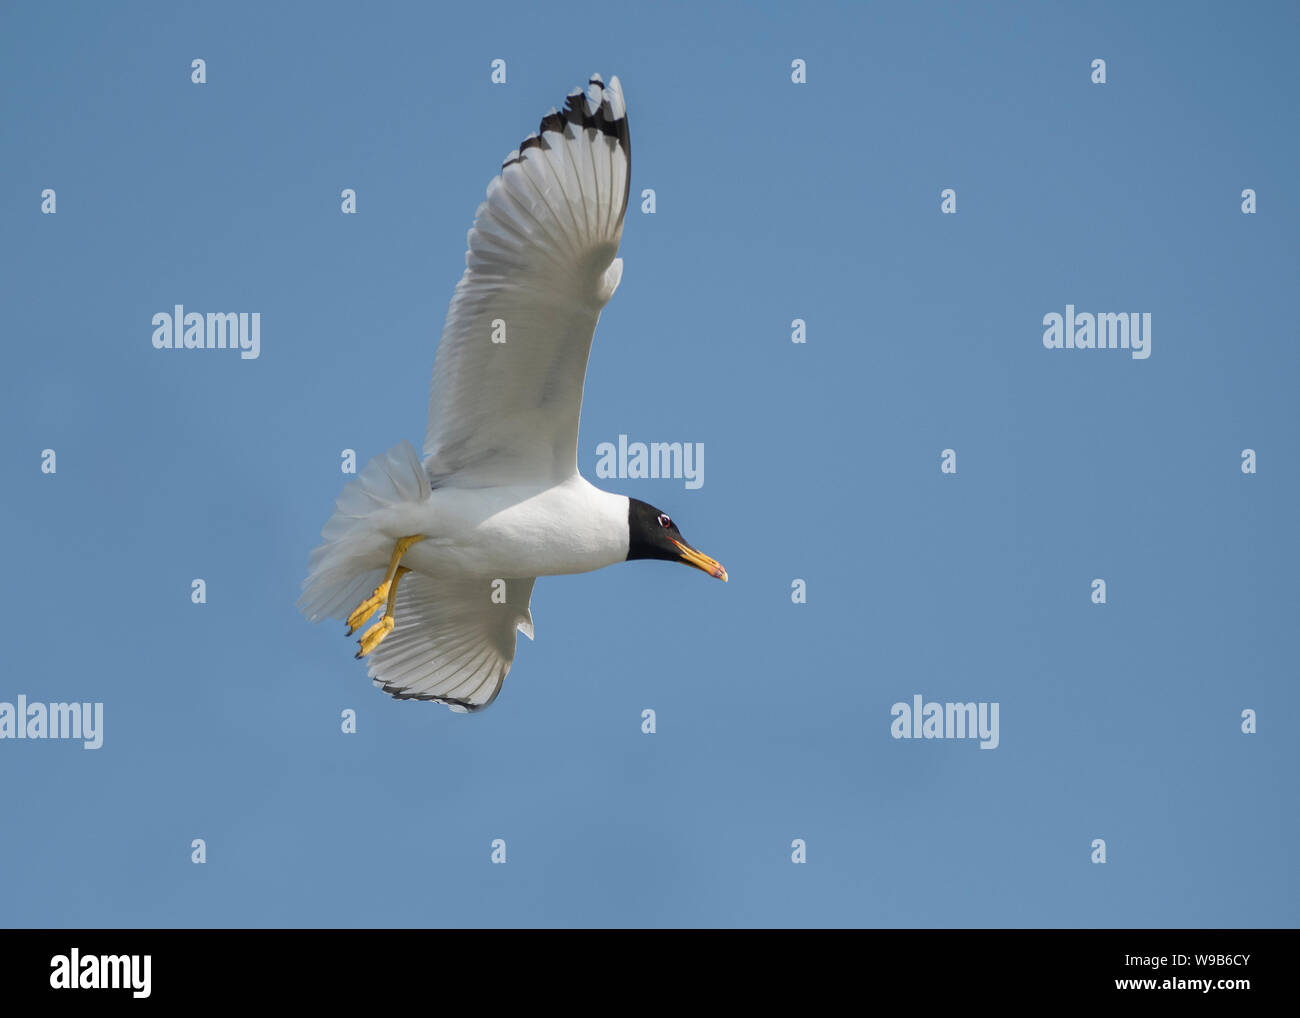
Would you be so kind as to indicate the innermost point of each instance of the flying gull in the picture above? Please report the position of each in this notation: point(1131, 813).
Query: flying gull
point(449, 546)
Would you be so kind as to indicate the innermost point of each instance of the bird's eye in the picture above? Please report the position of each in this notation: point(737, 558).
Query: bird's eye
point(664, 521)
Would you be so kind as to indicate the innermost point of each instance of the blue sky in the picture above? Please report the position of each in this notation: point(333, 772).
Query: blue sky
point(774, 201)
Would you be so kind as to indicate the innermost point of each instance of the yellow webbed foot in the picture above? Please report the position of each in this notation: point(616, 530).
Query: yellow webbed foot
point(374, 636)
point(367, 608)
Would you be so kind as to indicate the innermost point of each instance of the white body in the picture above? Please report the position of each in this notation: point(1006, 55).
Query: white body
point(571, 527)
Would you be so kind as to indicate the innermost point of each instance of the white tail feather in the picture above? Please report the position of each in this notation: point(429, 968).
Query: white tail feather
point(350, 563)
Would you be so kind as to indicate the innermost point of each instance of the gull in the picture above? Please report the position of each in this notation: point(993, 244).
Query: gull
point(450, 544)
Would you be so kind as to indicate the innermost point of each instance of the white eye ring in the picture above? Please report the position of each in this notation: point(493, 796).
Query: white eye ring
point(664, 521)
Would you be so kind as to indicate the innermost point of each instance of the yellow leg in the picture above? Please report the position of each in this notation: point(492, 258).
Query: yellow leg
point(370, 605)
point(374, 636)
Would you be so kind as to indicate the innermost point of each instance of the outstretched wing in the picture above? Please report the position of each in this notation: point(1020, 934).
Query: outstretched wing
point(508, 377)
point(454, 640)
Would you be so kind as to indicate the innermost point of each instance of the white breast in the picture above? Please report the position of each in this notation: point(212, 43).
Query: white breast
point(571, 527)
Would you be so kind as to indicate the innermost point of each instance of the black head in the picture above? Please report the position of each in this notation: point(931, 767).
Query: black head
point(652, 534)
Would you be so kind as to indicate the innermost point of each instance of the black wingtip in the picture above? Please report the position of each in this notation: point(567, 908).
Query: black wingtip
point(604, 119)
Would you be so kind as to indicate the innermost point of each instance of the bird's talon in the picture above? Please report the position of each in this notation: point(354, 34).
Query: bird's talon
point(366, 608)
point(374, 636)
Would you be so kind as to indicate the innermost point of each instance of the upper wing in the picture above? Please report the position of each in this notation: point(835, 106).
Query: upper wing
point(507, 380)
point(454, 640)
